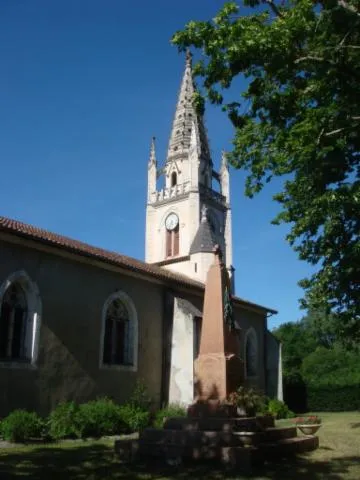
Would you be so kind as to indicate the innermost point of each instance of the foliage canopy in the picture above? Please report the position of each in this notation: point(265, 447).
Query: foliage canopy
point(299, 119)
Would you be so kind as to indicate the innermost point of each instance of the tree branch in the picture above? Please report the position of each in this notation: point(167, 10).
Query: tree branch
point(310, 57)
point(338, 130)
point(348, 7)
point(274, 8)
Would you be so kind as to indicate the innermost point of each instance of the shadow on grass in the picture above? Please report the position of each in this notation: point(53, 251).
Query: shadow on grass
point(94, 462)
point(355, 425)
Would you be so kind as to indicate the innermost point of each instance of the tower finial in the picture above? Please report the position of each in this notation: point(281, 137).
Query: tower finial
point(152, 158)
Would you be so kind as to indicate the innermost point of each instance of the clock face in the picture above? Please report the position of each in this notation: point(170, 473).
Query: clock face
point(172, 221)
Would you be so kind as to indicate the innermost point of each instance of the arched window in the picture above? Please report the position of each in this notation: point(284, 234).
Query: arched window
point(173, 179)
point(251, 353)
point(172, 242)
point(120, 332)
point(20, 314)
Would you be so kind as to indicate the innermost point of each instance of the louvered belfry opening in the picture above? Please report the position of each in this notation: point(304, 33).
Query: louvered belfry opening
point(172, 242)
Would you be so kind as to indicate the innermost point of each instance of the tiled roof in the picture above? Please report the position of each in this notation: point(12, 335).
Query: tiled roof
point(80, 248)
point(204, 240)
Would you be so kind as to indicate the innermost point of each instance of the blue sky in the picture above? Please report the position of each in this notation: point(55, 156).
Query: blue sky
point(84, 85)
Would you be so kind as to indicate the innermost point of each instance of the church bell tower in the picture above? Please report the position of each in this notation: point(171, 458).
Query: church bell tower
point(186, 217)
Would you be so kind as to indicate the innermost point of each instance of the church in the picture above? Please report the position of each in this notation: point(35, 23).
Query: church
point(78, 322)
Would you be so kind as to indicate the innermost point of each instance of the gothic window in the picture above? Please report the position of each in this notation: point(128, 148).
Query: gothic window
point(172, 242)
point(173, 179)
point(13, 324)
point(251, 353)
point(19, 320)
point(119, 345)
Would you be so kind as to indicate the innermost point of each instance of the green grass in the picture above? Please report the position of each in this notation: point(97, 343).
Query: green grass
point(337, 458)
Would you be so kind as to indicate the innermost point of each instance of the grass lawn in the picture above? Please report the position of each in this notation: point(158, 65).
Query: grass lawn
point(337, 458)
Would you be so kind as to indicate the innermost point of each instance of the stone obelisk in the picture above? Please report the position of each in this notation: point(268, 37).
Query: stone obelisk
point(218, 367)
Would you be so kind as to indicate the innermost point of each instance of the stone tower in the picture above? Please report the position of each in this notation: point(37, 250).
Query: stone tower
point(187, 216)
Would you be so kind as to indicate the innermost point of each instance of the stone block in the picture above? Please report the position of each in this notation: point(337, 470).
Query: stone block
point(126, 450)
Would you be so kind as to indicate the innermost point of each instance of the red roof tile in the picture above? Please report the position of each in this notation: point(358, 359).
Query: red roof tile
point(80, 248)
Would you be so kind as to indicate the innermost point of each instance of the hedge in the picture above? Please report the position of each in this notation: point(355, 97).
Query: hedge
point(333, 398)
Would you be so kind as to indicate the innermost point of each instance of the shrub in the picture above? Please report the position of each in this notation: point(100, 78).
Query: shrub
point(134, 417)
point(140, 398)
point(172, 410)
point(99, 417)
point(247, 399)
point(333, 398)
point(62, 421)
point(21, 426)
point(279, 409)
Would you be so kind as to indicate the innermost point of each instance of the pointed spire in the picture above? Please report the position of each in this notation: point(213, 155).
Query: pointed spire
point(224, 161)
point(152, 159)
point(184, 118)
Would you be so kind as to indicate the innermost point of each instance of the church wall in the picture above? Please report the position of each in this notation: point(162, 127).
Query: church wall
point(246, 320)
point(73, 295)
point(180, 267)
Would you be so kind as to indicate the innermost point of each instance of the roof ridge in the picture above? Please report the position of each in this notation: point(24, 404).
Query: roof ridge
point(17, 227)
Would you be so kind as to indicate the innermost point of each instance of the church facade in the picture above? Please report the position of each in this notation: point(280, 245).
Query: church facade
point(78, 322)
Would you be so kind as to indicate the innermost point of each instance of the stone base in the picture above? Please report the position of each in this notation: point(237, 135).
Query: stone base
point(235, 442)
point(217, 375)
point(211, 408)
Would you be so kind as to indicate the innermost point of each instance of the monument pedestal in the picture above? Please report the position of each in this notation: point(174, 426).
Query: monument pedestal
point(217, 375)
point(218, 367)
point(212, 429)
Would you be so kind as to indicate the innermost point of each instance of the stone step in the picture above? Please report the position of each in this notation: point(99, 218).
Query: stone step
point(245, 456)
point(222, 438)
point(200, 438)
point(250, 424)
point(278, 433)
point(288, 446)
point(241, 457)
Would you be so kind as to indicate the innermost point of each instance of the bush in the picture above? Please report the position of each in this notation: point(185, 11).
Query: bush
point(140, 398)
point(99, 417)
point(133, 417)
point(62, 421)
point(279, 409)
point(333, 398)
point(247, 399)
point(172, 410)
point(21, 426)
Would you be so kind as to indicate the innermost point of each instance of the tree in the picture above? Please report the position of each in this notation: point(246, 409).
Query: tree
point(297, 343)
point(331, 366)
point(299, 118)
